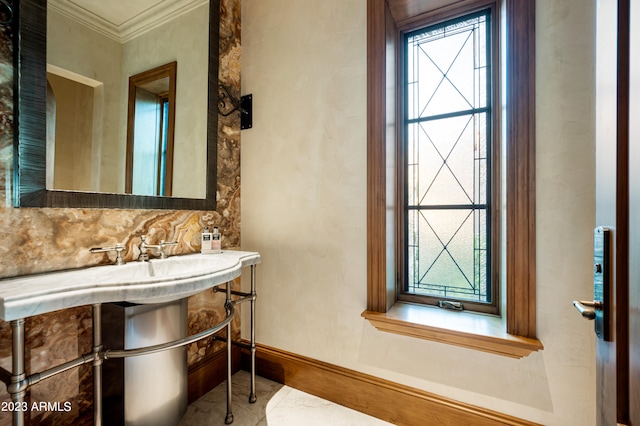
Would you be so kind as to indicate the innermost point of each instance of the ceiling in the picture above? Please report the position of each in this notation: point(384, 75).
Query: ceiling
point(123, 20)
point(406, 9)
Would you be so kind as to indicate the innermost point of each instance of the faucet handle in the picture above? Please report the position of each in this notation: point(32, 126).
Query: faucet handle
point(143, 246)
point(118, 248)
point(159, 247)
point(163, 244)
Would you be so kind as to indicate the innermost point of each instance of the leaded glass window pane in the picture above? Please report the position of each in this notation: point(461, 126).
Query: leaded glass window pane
point(448, 133)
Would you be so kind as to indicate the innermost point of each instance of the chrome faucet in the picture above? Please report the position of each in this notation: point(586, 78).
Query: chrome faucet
point(118, 248)
point(144, 246)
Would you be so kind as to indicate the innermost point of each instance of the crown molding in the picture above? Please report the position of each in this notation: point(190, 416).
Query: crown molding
point(137, 25)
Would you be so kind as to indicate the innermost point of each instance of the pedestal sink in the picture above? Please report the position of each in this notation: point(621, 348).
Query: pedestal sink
point(153, 295)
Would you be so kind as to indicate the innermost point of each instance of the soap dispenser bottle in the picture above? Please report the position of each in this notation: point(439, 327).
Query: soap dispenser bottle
point(216, 241)
point(206, 240)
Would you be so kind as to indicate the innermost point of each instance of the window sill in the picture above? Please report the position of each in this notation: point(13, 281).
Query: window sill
point(479, 332)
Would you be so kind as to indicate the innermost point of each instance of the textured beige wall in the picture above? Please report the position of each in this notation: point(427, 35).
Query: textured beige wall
point(185, 40)
point(38, 240)
point(304, 209)
point(74, 134)
point(87, 53)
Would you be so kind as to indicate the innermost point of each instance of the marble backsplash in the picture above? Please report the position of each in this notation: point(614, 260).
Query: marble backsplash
point(40, 240)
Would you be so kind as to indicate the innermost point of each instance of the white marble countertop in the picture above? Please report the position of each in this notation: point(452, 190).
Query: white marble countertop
point(156, 281)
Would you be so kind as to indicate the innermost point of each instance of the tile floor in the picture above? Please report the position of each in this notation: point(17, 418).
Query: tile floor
point(276, 405)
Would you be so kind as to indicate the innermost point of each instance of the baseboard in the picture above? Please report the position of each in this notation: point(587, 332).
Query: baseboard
point(209, 372)
point(386, 400)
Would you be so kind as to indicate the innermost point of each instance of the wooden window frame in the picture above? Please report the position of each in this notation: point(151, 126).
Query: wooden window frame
point(382, 273)
point(164, 71)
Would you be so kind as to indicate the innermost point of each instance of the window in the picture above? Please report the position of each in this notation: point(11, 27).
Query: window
point(151, 118)
point(386, 21)
point(449, 190)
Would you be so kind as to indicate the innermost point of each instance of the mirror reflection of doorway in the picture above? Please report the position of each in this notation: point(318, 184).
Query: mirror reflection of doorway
point(74, 130)
point(150, 131)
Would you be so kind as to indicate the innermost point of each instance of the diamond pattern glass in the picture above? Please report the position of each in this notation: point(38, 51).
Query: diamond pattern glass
point(448, 159)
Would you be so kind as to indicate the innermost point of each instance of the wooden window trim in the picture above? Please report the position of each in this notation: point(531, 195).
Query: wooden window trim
point(479, 332)
point(520, 182)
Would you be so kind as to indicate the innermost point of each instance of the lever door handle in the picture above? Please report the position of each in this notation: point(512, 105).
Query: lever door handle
point(587, 308)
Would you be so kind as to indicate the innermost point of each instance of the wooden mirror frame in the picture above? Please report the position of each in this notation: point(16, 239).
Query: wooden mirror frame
point(29, 174)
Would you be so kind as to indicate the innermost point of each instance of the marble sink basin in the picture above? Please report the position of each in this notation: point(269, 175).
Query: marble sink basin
point(189, 265)
point(156, 281)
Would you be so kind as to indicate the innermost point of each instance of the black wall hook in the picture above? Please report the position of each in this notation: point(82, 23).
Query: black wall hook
point(225, 97)
point(244, 105)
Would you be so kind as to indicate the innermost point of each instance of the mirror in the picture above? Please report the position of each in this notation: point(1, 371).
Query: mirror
point(150, 131)
point(31, 154)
